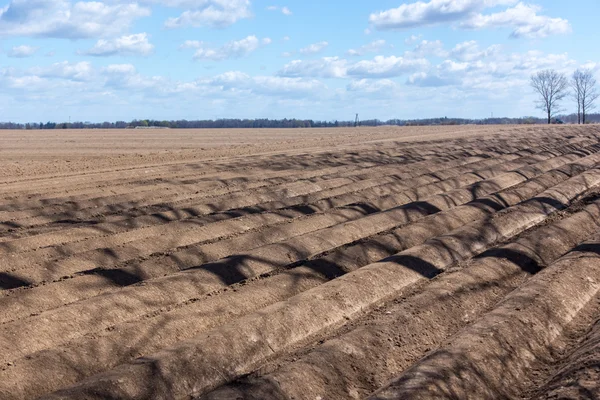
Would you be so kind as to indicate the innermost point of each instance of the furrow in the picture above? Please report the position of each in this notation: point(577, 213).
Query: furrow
point(78, 318)
point(578, 377)
point(93, 354)
point(358, 362)
point(219, 178)
point(74, 209)
point(187, 212)
point(212, 359)
point(490, 358)
point(140, 243)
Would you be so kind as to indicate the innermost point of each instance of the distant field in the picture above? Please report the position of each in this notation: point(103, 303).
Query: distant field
point(55, 151)
point(383, 263)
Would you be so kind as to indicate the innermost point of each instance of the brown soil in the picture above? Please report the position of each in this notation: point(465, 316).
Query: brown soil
point(292, 264)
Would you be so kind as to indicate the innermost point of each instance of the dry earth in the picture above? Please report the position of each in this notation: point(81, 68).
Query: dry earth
point(382, 263)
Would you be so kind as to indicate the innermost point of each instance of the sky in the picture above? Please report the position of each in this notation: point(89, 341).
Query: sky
point(323, 60)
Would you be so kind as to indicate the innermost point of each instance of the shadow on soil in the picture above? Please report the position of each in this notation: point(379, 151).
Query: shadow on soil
point(238, 268)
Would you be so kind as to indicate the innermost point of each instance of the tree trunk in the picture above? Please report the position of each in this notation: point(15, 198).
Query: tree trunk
point(583, 113)
point(549, 117)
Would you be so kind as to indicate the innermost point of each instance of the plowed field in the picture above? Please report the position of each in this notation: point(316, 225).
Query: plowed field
point(381, 263)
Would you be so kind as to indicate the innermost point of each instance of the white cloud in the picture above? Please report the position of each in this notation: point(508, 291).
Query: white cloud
point(22, 51)
point(233, 49)
point(120, 69)
point(428, 48)
point(284, 10)
point(62, 19)
point(314, 48)
point(266, 85)
point(191, 44)
point(590, 65)
point(327, 67)
point(136, 44)
point(412, 39)
point(429, 13)
point(281, 86)
point(488, 69)
point(372, 85)
point(424, 79)
point(286, 38)
point(524, 21)
point(472, 81)
point(125, 76)
point(367, 48)
point(335, 67)
point(386, 67)
point(469, 51)
point(287, 54)
point(211, 13)
point(81, 71)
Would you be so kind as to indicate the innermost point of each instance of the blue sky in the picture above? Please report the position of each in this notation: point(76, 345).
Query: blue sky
point(204, 59)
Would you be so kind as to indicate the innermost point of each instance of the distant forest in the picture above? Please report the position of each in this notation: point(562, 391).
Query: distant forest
point(286, 123)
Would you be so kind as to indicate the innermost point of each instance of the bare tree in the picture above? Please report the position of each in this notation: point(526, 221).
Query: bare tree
point(585, 92)
point(552, 88)
point(576, 85)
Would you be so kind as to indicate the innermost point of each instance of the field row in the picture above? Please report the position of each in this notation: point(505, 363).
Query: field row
point(384, 270)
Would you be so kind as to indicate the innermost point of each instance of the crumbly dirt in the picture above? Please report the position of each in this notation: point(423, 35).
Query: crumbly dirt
point(120, 247)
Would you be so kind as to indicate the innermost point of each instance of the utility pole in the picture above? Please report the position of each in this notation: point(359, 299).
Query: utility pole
point(356, 121)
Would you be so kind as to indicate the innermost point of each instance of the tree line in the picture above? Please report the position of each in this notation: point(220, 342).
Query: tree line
point(291, 123)
point(552, 87)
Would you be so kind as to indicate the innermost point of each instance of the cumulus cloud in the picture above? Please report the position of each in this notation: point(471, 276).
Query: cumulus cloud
point(22, 51)
point(125, 76)
point(314, 48)
point(371, 85)
point(136, 44)
point(125, 69)
point(63, 19)
point(469, 51)
point(367, 48)
point(474, 69)
point(233, 49)
point(429, 13)
point(412, 39)
point(335, 67)
point(386, 67)
point(81, 71)
point(424, 79)
point(327, 67)
point(465, 74)
point(211, 13)
point(284, 10)
point(266, 85)
point(428, 48)
point(191, 44)
point(524, 21)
